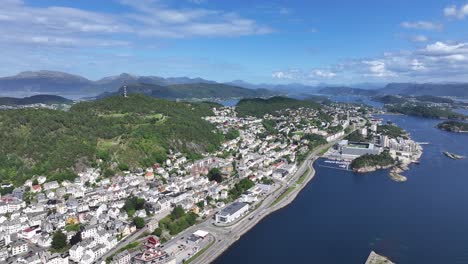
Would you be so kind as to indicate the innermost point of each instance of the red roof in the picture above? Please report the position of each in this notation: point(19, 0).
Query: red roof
point(153, 240)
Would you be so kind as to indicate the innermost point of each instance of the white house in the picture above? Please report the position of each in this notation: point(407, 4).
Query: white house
point(51, 185)
point(89, 232)
point(122, 258)
point(76, 252)
point(18, 247)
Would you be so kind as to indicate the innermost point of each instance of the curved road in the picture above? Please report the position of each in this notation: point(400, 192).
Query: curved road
point(226, 236)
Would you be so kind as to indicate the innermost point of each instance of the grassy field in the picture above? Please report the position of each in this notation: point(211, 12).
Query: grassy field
point(303, 176)
point(289, 190)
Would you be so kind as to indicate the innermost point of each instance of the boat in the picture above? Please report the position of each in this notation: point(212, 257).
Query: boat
point(453, 156)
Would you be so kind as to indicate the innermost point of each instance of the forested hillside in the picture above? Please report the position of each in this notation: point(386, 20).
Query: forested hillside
point(193, 91)
point(259, 107)
point(35, 99)
point(122, 132)
point(425, 111)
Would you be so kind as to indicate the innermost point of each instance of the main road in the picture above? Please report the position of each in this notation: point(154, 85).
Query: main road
point(226, 236)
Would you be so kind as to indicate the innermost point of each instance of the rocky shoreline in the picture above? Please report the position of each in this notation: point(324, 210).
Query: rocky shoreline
point(396, 169)
point(396, 176)
point(372, 168)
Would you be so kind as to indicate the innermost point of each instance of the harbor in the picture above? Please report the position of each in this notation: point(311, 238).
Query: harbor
point(393, 220)
point(336, 164)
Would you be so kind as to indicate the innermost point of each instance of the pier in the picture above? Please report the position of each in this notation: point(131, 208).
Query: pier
point(336, 164)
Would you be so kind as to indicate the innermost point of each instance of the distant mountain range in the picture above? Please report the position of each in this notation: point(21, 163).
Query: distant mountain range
point(404, 89)
point(347, 91)
point(65, 84)
point(60, 83)
point(35, 99)
point(192, 91)
point(435, 89)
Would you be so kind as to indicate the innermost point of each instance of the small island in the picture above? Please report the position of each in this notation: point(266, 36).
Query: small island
point(454, 126)
point(370, 162)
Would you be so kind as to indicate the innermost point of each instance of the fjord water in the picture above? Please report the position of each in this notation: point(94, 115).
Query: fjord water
point(341, 216)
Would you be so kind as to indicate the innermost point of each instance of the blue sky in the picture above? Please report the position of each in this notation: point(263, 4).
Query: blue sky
point(310, 42)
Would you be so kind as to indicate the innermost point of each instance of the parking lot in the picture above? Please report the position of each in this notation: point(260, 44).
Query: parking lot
point(185, 247)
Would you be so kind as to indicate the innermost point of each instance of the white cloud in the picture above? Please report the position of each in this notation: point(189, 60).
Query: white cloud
point(456, 12)
point(441, 49)
point(419, 38)
point(310, 76)
point(417, 65)
point(439, 61)
point(323, 74)
point(423, 25)
point(289, 74)
point(65, 26)
point(377, 68)
point(435, 62)
point(198, 2)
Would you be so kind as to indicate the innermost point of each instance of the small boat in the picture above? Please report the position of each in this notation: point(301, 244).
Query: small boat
point(453, 156)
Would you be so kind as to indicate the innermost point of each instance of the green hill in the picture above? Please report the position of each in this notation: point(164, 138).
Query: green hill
point(453, 126)
point(259, 107)
point(390, 99)
point(193, 91)
point(122, 132)
point(425, 111)
point(35, 99)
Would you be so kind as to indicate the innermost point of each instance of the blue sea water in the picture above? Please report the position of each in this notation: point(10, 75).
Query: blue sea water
point(341, 216)
point(356, 99)
point(462, 111)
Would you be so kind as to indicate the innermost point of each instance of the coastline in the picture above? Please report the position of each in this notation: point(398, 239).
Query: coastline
point(203, 259)
point(398, 167)
point(373, 168)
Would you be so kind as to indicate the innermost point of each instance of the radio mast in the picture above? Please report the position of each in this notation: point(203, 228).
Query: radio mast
point(125, 89)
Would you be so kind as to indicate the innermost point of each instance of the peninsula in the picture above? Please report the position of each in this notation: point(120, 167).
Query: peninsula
point(379, 146)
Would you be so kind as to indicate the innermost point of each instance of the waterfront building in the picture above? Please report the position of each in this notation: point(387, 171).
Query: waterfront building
point(232, 212)
point(352, 150)
point(384, 141)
